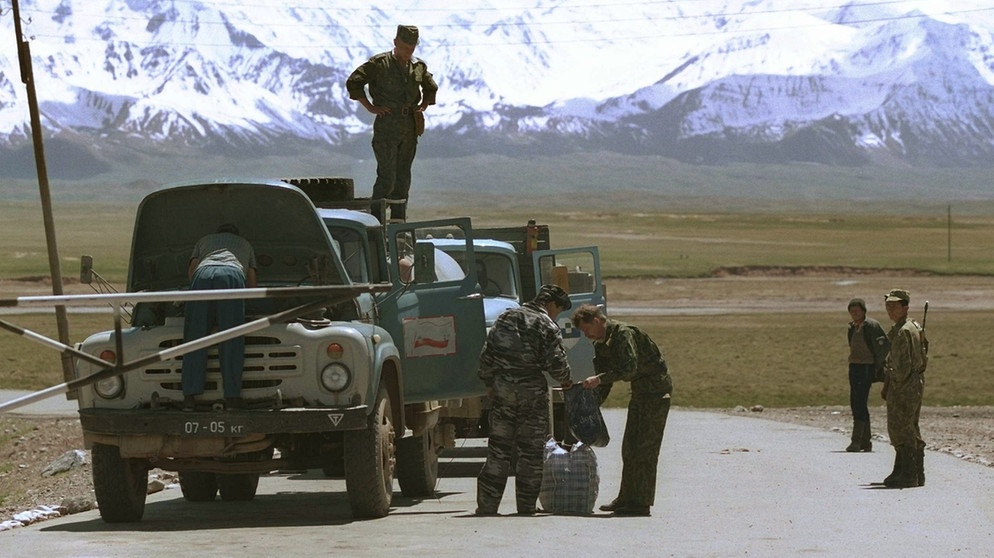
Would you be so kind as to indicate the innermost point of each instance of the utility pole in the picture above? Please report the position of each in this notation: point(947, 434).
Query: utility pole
point(27, 78)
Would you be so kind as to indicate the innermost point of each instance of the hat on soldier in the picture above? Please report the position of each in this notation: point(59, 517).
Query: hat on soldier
point(553, 293)
point(898, 295)
point(407, 34)
point(857, 302)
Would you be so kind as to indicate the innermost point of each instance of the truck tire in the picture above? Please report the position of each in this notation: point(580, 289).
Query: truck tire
point(370, 461)
point(198, 486)
point(120, 484)
point(417, 465)
point(240, 487)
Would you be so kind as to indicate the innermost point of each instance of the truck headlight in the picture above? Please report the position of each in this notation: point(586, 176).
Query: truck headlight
point(336, 377)
point(109, 388)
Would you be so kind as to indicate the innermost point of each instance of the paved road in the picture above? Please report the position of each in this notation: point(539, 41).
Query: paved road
point(729, 486)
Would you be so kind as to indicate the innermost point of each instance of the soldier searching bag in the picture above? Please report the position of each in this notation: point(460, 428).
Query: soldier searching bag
point(569, 479)
point(583, 414)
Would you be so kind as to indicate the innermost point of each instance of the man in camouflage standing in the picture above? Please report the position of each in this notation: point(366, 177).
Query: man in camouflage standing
point(523, 344)
point(624, 352)
point(904, 385)
point(400, 89)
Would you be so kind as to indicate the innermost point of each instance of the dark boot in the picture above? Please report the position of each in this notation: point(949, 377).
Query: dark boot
point(921, 463)
point(857, 435)
point(908, 477)
point(864, 442)
point(897, 468)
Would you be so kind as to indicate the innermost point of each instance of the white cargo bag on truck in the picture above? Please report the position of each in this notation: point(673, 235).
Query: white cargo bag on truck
point(569, 479)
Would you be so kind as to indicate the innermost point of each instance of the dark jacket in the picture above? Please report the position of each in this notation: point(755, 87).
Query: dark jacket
point(876, 340)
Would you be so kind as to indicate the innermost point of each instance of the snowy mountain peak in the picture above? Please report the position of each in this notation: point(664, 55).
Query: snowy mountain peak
point(703, 81)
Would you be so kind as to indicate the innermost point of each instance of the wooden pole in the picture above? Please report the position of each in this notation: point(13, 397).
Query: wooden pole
point(27, 78)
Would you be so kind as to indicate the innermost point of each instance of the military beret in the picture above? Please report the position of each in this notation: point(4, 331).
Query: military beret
point(407, 34)
point(897, 295)
point(554, 293)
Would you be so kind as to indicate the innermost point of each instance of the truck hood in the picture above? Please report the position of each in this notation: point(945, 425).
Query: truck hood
point(278, 219)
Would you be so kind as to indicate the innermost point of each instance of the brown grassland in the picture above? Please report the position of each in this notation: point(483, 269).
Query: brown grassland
point(748, 307)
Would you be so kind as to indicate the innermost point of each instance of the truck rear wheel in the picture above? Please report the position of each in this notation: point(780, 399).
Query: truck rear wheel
point(370, 461)
point(417, 465)
point(238, 488)
point(198, 486)
point(120, 484)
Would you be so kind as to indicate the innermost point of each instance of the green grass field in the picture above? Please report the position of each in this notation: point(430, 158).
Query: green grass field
point(776, 360)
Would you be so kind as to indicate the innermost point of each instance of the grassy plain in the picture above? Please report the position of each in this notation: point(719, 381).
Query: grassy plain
point(769, 358)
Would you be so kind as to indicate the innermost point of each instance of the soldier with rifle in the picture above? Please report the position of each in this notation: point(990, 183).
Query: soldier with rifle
point(904, 385)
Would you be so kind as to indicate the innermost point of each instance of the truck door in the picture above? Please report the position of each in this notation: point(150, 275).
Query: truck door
point(438, 321)
point(578, 271)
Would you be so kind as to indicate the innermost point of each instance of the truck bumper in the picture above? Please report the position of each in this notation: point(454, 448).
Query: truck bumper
point(228, 424)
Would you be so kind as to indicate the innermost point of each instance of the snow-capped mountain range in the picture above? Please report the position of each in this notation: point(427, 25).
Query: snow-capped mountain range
point(704, 81)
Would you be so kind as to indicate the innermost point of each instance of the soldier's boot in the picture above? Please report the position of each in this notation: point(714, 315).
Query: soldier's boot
point(865, 443)
point(897, 468)
point(856, 441)
point(920, 456)
point(908, 477)
point(398, 210)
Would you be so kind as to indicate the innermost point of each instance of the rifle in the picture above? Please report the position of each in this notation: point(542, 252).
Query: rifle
point(924, 317)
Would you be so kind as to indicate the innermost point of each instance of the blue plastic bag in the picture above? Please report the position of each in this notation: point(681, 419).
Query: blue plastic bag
point(583, 414)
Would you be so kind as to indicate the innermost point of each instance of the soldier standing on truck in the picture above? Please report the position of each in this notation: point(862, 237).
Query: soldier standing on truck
point(401, 88)
point(522, 345)
point(222, 260)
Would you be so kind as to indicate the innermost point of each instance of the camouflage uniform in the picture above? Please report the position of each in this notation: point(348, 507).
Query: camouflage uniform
point(395, 138)
point(628, 354)
point(904, 386)
point(905, 368)
point(523, 343)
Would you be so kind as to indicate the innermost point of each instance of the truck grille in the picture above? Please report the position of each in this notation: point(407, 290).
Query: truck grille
point(267, 361)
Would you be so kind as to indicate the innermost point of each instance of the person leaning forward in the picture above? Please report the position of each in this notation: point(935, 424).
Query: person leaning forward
point(523, 344)
point(624, 352)
point(904, 385)
point(400, 89)
point(221, 260)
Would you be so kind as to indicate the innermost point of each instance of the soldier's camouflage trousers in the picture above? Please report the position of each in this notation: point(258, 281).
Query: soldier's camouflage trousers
point(519, 423)
point(395, 144)
point(904, 407)
point(640, 448)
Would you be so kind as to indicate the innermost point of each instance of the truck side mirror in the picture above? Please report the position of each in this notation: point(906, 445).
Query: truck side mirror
point(424, 263)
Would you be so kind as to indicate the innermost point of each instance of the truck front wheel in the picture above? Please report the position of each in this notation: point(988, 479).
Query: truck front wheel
point(370, 461)
point(120, 484)
point(417, 464)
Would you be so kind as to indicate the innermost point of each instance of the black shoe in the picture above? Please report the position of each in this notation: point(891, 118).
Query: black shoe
point(615, 504)
point(189, 403)
point(234, 403)
point(485, 513)
point(632, 511)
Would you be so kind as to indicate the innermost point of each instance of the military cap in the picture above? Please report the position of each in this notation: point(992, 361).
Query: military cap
point(898, 295)
point(857, 302)
point(407, 34)
point(554, 293)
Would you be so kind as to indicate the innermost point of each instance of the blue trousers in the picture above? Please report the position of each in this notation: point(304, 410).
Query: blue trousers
point(860, 379)
point(200, 317)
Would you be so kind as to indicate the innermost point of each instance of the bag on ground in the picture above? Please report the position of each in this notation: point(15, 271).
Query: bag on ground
point(569, 479)
point(583, 414)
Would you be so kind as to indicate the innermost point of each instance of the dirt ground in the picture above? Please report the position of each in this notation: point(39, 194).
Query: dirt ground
point(29, 445)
